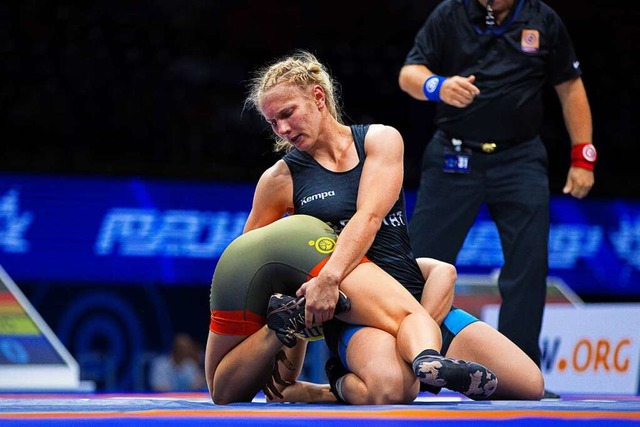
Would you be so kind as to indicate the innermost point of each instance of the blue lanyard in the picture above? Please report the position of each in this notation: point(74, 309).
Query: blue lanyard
point(497, 31)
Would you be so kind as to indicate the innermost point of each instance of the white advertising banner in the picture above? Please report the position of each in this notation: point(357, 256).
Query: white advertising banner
point(590, 348)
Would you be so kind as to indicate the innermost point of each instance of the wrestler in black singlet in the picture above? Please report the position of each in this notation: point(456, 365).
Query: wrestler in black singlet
point(332, 197)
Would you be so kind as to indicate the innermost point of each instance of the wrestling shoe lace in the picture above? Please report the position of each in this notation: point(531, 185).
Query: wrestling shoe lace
point(285, 315)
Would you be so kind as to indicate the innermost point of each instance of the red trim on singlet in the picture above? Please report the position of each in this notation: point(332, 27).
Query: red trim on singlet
point(236, 322)
point(316, 270)
point(245, 323)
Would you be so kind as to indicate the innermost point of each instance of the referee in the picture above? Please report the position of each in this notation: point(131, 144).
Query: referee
point(484, 63)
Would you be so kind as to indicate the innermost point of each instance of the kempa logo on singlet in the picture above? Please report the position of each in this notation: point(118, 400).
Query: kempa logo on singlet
point(319, 196)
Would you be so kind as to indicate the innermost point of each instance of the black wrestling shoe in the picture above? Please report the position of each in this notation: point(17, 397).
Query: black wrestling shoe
point(335, 370)
point(430, 388)
point(549, 395)
point(285, 315)
point(469, 378)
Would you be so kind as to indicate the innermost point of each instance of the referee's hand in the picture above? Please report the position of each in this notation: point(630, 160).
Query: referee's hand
point(579, 182)
point(459, 91)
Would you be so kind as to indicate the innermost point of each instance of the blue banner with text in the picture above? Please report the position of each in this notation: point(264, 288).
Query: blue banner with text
point(139, 231)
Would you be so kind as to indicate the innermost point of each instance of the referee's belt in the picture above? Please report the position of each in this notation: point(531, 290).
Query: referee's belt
point(489, 146)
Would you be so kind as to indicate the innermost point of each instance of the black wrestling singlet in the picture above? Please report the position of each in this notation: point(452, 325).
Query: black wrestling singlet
point(331, 196)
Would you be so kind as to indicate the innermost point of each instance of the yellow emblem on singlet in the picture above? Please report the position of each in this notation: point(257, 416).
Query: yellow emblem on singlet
point(324, 245)
point(313, 333)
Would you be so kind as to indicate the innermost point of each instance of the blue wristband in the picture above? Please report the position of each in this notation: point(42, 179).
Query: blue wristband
point(431, 87)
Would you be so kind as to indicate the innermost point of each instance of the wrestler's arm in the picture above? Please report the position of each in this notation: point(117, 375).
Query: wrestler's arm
point(379, 188)
point(283, 387)
point(440, 279)
point(306, 392)
point(273, 197)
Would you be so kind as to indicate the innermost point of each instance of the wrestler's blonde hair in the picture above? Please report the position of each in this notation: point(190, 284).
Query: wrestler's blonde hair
point(301, 69)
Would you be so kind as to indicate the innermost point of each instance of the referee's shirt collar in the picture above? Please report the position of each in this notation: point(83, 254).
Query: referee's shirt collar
point(477, 13)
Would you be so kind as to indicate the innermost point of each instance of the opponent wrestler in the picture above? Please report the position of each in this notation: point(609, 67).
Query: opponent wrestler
point(351, 177)
point(276, 259)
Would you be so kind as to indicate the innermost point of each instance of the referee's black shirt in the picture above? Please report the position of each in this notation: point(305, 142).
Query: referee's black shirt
point(511, 63)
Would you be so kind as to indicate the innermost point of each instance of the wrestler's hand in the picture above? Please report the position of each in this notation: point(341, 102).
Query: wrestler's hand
point(459, 91)
point(271, 388)
point(321, 297)
point(579, 182)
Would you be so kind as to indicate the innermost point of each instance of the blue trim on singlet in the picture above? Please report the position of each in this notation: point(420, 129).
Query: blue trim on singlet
point(343, 342)
point(457, 320)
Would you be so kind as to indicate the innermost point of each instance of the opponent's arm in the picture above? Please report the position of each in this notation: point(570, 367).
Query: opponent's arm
point(305, 392)
point(439, 287)
point(273, 197)
point(283, 386)
point(379, 188)
point(577, 119)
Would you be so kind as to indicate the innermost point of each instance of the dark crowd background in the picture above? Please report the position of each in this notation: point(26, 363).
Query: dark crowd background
point(156, 88)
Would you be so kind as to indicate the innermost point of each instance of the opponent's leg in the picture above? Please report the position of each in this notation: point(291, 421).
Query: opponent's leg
point(379, 301)
point(418, 336)
point(519, 376)
point(469, 378)
point(377, 373)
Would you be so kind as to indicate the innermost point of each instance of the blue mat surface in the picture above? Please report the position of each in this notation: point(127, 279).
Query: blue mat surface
point(58, 410)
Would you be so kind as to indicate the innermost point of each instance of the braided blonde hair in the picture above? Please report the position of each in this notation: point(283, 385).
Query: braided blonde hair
point(301, 69)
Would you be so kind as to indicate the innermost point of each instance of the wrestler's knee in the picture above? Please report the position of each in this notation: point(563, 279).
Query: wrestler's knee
point(226, 396)
point(533, 385)
point(220, 398)
point(391, 390)
point(446, 271)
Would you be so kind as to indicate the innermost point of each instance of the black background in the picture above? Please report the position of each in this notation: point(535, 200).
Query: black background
point(156, 88)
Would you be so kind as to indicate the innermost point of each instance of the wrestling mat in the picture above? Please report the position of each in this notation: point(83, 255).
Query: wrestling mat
point(74, 410)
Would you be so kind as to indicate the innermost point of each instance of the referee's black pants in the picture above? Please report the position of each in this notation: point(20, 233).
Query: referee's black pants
point(514, 185)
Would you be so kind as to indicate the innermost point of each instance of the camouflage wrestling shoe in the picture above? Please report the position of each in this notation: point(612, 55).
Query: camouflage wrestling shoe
point(469, 378)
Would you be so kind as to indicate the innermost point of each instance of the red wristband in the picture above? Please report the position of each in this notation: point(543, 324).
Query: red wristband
point(583, 156)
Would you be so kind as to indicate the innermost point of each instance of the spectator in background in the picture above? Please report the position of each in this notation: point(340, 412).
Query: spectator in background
point(485, 62)
point(181, 370)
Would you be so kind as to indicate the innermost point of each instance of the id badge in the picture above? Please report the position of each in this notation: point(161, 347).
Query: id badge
point(457, 161)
